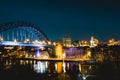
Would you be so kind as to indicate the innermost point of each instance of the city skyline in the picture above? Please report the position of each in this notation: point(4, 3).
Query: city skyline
point(74, 18)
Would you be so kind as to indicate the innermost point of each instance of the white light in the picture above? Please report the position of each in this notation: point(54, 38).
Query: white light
point(40, 67)
point(27, 40)
point(84, 77)
point(54, 43)
point(36, 41)
point(63, 55)
point(64, 66)
point(38, 54)
point(10, 43)
point(20, 43)
point(15, 40)
point(49, 42)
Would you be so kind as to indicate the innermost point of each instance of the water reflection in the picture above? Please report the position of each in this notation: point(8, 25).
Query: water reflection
point(54, 67)
point(40, 67)
point(58, 67)
point(52, 70)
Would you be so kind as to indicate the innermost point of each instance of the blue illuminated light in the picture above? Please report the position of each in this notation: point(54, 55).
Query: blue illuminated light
point(38, 53)
point(11, 43)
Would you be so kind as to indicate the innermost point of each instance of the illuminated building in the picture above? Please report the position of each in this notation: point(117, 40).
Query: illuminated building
point(117, 42)
point(79, 43)
point(59, 50)
point(87, 56)
point(84, 43)
point(111, 42)
point(93, 42)
point(74, 52)
point(67, 42)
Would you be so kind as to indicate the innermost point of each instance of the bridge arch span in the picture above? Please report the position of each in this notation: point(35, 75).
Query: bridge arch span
point(21, 30)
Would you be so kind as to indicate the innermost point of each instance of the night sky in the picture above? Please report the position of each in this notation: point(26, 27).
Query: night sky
point(77, 19)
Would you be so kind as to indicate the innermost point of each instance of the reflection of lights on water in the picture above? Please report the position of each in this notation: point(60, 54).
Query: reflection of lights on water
point(27, 61)
point(56, 66)
point(80, 68)
point(64, 66)
point(87, 76)
point(46, 64)
point(7, 62)
point(34, 62)
point(85, 71)
point(37, 67)
point(84, 77)
point(21, 62)
point(68, 65)
point(90, 67)
point(40, 67)
point(31, 62)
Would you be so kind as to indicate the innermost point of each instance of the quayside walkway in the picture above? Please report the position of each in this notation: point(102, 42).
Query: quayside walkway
point(54, 59)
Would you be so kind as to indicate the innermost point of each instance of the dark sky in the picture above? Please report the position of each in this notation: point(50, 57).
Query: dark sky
point(77, 19)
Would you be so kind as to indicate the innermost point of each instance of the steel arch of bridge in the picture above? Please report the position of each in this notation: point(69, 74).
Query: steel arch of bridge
point(26, 26)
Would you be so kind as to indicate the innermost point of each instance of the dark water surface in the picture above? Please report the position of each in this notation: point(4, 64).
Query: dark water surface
point(54, 70)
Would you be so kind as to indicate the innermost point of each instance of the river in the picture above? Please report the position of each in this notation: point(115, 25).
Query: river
point(57, 70)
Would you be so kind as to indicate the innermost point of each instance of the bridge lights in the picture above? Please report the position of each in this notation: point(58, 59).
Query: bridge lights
point(36, 41)
point(49, 43)
point(54, 43)
point(43, 42)
point(27, 41)
point(1, 39)
point(15, 40)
